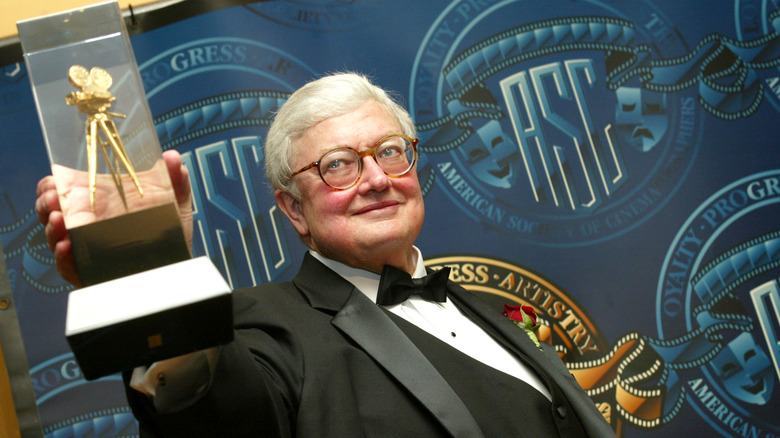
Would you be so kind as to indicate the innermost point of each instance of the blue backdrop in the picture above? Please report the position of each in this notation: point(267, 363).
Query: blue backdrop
point(611, 163)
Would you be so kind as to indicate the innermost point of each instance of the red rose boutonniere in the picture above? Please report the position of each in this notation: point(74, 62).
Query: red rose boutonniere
point(525, 318)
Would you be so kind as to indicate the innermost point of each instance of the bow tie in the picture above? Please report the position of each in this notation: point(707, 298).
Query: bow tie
point(396, 286)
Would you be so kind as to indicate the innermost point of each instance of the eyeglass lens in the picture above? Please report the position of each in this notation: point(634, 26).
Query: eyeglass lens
point(341, 168)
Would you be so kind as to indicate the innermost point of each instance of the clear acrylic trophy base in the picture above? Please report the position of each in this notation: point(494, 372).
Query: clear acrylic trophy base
point(154, 315)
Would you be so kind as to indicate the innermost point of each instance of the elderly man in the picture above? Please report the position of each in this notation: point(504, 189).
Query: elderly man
point(334, 353)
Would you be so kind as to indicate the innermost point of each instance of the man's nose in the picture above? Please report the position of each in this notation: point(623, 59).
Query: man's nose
point(373, 175)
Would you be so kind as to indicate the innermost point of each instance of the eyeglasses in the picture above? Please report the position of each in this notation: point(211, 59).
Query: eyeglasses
point(342, 167)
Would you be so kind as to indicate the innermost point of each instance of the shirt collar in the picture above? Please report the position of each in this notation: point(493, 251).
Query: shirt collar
point(367, 281)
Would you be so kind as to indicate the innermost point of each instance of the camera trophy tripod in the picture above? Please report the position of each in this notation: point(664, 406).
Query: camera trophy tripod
point(94, 100)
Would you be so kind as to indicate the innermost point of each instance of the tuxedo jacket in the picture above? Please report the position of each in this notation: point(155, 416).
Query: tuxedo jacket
point(316, 358)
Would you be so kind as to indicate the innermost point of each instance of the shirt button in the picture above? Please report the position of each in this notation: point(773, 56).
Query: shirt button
point(561, 411)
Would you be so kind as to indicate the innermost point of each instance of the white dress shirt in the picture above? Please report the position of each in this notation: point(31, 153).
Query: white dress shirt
point(174, 384)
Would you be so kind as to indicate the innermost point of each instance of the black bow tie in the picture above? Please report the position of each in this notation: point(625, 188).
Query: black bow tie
point(396, 286)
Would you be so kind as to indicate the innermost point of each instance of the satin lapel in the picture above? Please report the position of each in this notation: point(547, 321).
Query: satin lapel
point(324, 289)
point(367, 324)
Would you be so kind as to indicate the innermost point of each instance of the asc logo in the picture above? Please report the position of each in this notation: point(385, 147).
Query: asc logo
point(574, 128)
point(718, 307)
point(545, 130)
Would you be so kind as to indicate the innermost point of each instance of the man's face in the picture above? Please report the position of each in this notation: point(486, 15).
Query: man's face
point(370, 224)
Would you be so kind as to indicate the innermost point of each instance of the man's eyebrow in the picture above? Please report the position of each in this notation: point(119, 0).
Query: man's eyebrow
point(345, 145)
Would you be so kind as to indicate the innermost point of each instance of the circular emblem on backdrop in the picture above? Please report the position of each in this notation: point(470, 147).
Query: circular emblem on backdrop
point(536, 119)
point(564, 323)
point(718, 307)
point(757, 19)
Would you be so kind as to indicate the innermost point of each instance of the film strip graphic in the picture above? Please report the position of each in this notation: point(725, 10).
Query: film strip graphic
point(37, 264)
point(644, 372)
point(24, 238)
point(218, 113)
point(14, 227)
point(722, 68)
point(113, 422)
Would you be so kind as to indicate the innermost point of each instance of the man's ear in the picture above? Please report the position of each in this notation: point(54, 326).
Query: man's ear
point(292, 209)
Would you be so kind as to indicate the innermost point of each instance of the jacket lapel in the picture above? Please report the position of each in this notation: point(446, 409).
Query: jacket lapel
point(368, 325)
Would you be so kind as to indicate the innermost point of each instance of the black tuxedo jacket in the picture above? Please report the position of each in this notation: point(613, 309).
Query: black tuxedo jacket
point(316, 358)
